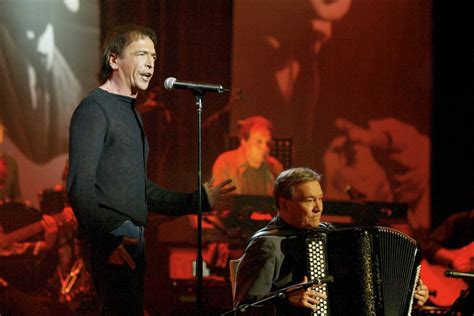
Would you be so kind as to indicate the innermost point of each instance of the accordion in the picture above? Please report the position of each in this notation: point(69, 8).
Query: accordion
point(375, 270)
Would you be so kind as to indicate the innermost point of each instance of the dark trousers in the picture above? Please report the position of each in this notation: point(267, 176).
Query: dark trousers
point(120, 289)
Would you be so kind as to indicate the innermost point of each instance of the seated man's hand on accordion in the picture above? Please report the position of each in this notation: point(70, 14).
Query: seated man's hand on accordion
point(309, 297)
point(421, 293)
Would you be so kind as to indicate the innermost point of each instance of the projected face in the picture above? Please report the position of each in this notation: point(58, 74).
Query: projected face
point(32, 30)
point(257, 146)
point(44, 46)
point(326, 12)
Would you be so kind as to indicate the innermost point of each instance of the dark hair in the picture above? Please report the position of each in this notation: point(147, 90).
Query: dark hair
point(117, 40)
point(246, 125)
point(287, 180)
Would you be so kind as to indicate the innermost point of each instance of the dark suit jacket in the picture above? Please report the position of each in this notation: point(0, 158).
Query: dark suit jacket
point(272, 261)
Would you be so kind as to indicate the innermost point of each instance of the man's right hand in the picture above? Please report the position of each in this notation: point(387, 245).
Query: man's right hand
point(120, 255)
point(308, 298)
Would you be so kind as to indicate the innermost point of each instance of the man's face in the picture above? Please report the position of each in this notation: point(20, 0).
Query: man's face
point(305, 208)
point(135, 65)
point(257, 146)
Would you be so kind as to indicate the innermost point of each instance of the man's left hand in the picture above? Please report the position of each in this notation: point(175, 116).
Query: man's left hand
point(217, 195)
point(421, 293)
point(121, 256)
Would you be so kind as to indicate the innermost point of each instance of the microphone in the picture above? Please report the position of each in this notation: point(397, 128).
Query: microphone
point(457, 274)
point(173, 83)
point(319, 281)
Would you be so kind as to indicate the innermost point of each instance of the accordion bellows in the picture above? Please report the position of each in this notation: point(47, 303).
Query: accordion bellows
point(375, 270)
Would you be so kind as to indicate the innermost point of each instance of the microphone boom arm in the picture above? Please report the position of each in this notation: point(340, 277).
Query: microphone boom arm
point(281, 294)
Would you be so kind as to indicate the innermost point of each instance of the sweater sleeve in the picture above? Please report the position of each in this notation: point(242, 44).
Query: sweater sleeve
point(86, 140)
point(173, 203)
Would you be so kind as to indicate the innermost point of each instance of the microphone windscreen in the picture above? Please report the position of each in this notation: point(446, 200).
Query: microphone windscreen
point(169, 82)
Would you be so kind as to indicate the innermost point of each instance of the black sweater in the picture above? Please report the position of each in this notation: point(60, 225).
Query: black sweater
point(107, 181)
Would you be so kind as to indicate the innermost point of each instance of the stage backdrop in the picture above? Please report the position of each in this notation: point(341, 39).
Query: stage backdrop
point(48, 60)
point(334, 76)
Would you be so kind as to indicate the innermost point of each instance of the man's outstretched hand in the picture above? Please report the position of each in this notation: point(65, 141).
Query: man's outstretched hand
point(218, 195)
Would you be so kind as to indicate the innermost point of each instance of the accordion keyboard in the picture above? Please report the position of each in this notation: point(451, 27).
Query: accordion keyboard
point(317, 267)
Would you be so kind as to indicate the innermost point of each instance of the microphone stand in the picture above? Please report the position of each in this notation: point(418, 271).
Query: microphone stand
point(198, 91)
point(280, 295)
point(198, 95)
point(243, 308)
point(463, 304)
point(467, 276)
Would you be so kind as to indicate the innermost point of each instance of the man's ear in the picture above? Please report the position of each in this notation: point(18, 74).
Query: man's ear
point(282, 203)
point(113, 58)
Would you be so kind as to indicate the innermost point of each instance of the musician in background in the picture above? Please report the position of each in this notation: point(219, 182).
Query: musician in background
point(50, 233)
point(271, 263)
point(18, 295)
point(250, 166)
point(252, 171)
point(452, 243)
point(451, 246)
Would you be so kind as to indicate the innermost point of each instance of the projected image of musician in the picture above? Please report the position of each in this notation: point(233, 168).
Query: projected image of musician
point(253, 171)
point(44, 73)
point(40, 86)
point(387, 160)
point(276, 62)
point(272, 259)
point(250, 166)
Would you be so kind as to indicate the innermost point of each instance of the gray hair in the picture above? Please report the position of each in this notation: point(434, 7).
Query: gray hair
point(286, 182)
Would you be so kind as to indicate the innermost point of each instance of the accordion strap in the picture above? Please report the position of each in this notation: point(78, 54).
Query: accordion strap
point(282, 230)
